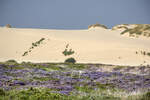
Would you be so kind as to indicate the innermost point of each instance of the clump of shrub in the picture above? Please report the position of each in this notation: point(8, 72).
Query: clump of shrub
point(143, 53)
point(25, 53)
point(37, 43)
point(70, 60)
point(97, 25)
point(33, 45)
point(148, 53)
point(69, 52)
point(11, 61)
point(8, 26)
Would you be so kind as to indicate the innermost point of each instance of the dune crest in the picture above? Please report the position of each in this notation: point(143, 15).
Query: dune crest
point(134, 30)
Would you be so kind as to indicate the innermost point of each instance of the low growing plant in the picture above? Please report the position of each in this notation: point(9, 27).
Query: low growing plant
point(70, 60)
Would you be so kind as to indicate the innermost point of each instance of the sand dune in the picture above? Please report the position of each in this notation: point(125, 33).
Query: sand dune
point(94, 45)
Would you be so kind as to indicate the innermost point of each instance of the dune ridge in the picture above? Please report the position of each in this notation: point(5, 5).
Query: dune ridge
point(94, 45)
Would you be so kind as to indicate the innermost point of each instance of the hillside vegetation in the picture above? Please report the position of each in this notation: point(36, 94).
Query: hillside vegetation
point(97, 25)
point(134, 30)
point(66, 81)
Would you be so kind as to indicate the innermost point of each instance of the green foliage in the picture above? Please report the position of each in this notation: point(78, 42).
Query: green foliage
point(44, 78)
point(25, 53)
point(97, 25)
point(77, 66)
point(32, 94)
point(11, 62)
point(37, 43)
point(144, 53)
point(138, 30)
point(48, 94)
point(67, 52)
point(2, 92)
point(70, 60)
point(125, 31)
point(86, 89)
point(148, 53)
point(33, 45)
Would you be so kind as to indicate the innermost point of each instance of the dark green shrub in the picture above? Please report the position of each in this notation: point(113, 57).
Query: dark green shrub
point(68, 52)
point(25, 53)
point(70, 60)
point(148, 53)
point(97, 25)
point(36, 44)
point(11, 62)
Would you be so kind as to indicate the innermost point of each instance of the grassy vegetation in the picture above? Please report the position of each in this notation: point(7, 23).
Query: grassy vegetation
point(139, 29)
point(77, 66)
point(97, 25)
point(49, 94)
point(66, 81)
point(11, 62)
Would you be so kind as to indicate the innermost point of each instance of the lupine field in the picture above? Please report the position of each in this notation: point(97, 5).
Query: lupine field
point(62, 81)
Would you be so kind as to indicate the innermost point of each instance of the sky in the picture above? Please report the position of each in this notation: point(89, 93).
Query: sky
point(73, 14)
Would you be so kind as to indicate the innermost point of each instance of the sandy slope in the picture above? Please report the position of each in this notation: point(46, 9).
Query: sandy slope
point(95, 45)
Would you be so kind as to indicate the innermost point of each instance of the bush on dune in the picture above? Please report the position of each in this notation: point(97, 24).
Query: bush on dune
point(69, 52)
point(70, 60)
point(8, 26)
point(97, 25)
point(11, 61)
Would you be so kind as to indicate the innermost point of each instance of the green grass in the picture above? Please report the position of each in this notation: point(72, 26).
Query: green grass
point(77, 66)
point(119, 67)
point(47, 94)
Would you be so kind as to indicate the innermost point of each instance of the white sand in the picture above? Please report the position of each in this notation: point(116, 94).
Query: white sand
point(95, 45)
